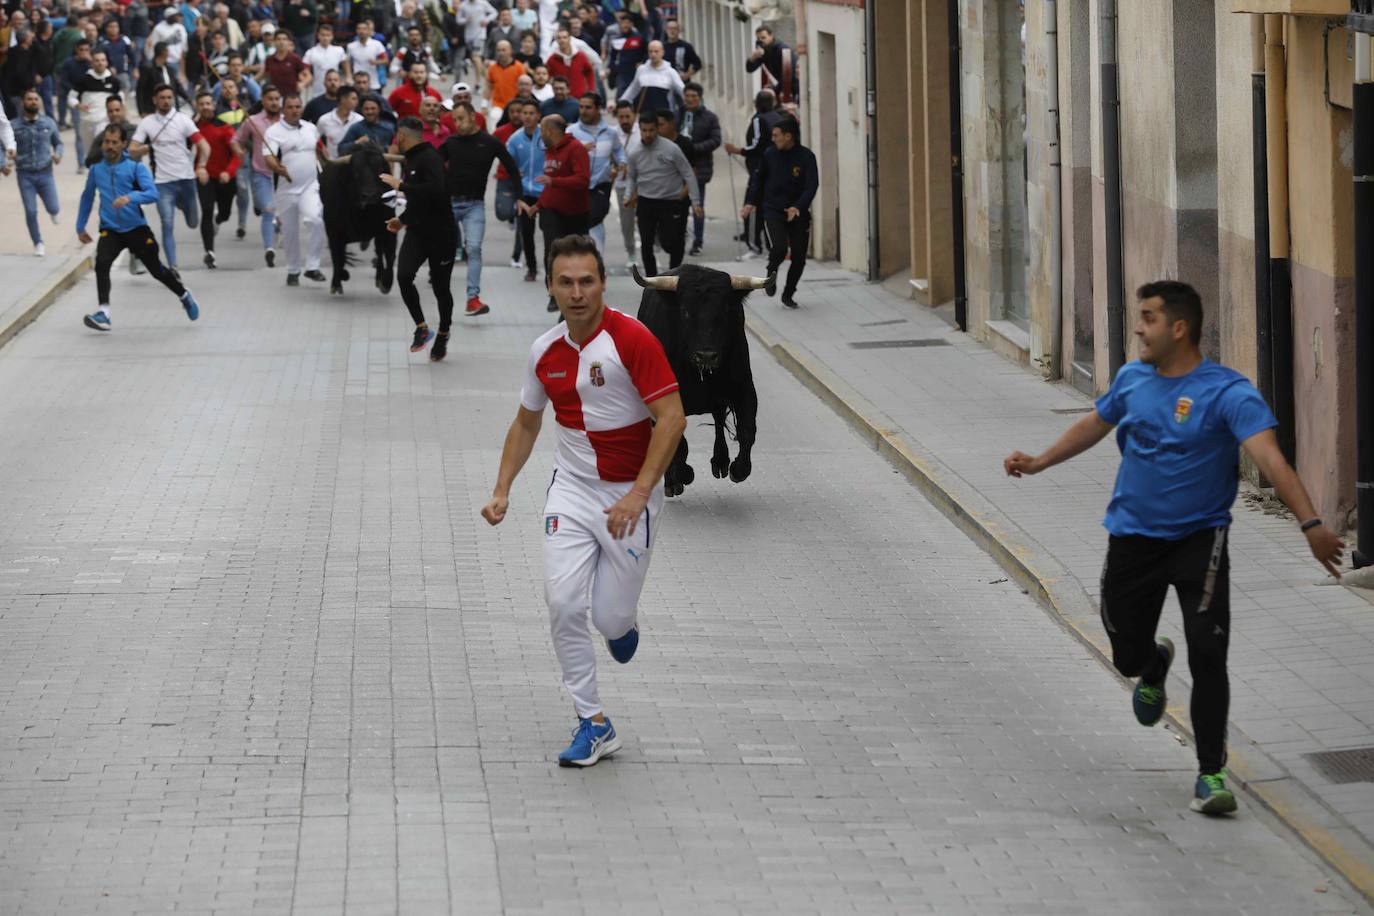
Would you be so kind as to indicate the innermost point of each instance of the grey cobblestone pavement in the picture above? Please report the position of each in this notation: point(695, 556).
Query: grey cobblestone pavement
point(258, 654)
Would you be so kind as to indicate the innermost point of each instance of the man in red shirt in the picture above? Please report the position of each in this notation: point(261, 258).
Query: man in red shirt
point(284, 68)
point(405, 99)
point(462, 92)
point(619, 418)
point(218, 185)
point(564, 205)
point(570, 63)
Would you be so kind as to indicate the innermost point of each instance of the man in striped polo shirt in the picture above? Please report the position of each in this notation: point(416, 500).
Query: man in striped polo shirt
point(619, 418)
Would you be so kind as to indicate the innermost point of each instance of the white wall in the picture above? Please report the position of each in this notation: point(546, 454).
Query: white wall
point(846, 23)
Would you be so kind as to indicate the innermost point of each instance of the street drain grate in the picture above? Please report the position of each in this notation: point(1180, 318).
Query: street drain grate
point(1354, 764)
point(897, 344)
point(879, 324)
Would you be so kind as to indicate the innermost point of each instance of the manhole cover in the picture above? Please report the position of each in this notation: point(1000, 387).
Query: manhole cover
point(1354, 764)
point(897, 344)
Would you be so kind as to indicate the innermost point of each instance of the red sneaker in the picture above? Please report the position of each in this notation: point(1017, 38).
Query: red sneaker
point(477, 307)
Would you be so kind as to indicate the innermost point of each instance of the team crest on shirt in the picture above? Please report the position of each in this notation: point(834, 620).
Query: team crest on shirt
point(550, 525)
point(1183, 409)
point(598, 377)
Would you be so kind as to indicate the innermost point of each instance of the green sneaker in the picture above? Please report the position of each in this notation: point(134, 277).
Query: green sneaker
point(1210, 795)
point(1149, 702)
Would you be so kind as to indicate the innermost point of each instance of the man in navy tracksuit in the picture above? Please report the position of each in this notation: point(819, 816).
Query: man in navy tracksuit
point(125, 185)
point(783, 188)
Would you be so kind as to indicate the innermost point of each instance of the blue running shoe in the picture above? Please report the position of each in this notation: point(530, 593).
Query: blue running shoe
point(188, 302)
point(98, 321)
point(423, 336)
point(623, 649)
point(590, 743)
point(1210, 795)
point(1147, 701)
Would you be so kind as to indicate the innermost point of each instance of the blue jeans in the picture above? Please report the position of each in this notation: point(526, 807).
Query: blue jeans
point(471, 217)
point(171, 197)
point(32, 185)
point(264, 203)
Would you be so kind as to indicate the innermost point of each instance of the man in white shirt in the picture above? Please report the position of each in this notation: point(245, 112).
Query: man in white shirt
point(366, 54)
point(332, 125)
point(170, 136)
point(325, 56)
point(171, 32)
point(474, 16)
point(628, 126)
point(289, 150)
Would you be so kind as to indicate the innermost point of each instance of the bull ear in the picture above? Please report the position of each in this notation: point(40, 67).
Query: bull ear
point(667, 284)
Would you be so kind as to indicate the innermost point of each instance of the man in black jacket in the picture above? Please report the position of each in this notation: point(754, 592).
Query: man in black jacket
point(783, 188)
point(468, 154)
point(757, 140)
point(701, 128)
point(430, 233)
point(779, 63)
point(160, 72)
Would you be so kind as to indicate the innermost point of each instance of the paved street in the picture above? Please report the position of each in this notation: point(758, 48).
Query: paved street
point(258, 654)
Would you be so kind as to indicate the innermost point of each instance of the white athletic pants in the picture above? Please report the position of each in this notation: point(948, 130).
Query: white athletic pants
point(588, 571)
point(301, 215)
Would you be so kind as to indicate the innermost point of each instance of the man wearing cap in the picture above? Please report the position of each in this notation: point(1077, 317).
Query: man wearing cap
point(462, 93)
point(170, 32)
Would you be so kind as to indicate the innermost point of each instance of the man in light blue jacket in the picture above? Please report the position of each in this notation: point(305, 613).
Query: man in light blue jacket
point(602, 139)
point(526, 147)
point(124, 185)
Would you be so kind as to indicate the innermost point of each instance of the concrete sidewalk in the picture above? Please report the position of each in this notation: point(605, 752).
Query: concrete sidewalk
point(946, 410)
point(32, 283)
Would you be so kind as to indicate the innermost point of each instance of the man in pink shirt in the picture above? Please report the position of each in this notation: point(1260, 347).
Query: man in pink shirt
point(248, 143)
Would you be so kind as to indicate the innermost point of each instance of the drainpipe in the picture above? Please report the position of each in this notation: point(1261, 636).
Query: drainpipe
point(1056, 220)
point(956, 164)
point(871, 101)
point(1111, 180)
point(1280, 270)
point(1264, 357)
point(1363, 167)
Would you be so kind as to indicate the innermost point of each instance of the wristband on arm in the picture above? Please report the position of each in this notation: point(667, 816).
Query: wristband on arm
point(1310, 524)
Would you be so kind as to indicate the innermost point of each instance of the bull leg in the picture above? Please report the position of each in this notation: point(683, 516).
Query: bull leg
point(720, 456)
point(746, 430)
point(679, 473)
point(386, 253)
point(338, 256)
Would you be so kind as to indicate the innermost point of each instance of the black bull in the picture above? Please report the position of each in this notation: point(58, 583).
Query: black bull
point(354, 211)
point(698, 315)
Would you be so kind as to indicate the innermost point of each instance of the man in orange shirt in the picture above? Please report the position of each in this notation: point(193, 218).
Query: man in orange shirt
point(501, 77)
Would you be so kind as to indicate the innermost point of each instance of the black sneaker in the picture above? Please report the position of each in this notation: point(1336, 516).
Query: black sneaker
point(240, 233)
point(1149, 701)
point(423, 335)
point(552, 306)
point(271, 257)
point(439, 349)
point(210, 260)
point(315, 275)
point(789, 302)
point(696, 250)
point(293, 279)
point(531, 276)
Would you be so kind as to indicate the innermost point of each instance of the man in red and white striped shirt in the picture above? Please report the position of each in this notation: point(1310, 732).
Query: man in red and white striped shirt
point(620, 419)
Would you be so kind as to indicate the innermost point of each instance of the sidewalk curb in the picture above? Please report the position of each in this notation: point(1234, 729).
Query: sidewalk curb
point(58, 282)
point(1044, 577)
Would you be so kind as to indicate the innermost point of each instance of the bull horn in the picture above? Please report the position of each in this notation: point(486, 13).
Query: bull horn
point(667, 284)
point(341, 160)
point(393, 157)
point(768, 282)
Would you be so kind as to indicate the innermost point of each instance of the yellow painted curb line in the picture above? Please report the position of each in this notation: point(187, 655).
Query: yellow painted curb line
point(1266, 780)
point(64, 278)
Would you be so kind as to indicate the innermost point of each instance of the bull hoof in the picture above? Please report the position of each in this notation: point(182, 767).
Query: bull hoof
point(720, 467)
point(344, 276)
point(740, 469)
point(336, 289)
point(384, 282)
point(672, 488)
point(687, 475)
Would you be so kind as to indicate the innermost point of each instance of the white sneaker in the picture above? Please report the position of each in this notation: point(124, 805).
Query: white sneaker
point(516, 262)
point(54, 218)
point(39, 251)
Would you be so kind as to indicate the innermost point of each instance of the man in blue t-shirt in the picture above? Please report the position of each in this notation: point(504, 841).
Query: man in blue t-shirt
point(1179, 419)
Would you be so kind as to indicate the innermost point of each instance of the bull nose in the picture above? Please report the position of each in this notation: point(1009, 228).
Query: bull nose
point(707, 357)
